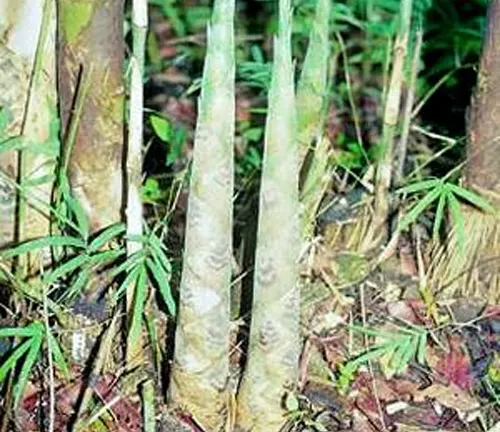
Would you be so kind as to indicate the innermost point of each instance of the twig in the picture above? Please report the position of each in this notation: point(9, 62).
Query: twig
point(433, 135)
point(436, 87)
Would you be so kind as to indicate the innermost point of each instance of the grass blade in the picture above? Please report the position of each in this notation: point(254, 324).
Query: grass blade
point(82, 221)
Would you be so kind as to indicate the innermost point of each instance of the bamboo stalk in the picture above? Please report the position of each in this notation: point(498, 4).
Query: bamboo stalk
point(201, 364)
point(384, 173)
point(135, 355)
point(402, 147)
point(272, 364)
point(134, 212)
point(91, 38)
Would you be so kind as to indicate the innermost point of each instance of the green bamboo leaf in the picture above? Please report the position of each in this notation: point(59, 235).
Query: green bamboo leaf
point(130, 278)
point(162, 281)
point(128, 264)
point(438, 219)
point(12, 360)
point(421, 349)
point(419, 186)
point(65, 269)
point(77, 286)
point(161, 127)
point(58, 355)
point(419, 208)
point(107, 235)
point(140, 293)
point(137, 238)
point(458, 221)
point(44, 242)
point(106, 256)
point(374, 353)
point(31, 357)
point(471, 197)
point(401, 355)
point(82, 220)
point(17, 332)
point(410, 353)
point(159, 251)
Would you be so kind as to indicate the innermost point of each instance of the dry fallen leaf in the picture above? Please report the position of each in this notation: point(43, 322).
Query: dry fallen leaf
point(454, 366)
point(451, 396)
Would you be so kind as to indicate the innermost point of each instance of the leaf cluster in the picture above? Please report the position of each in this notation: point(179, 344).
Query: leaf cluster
point(396, 348)
point(447, 195)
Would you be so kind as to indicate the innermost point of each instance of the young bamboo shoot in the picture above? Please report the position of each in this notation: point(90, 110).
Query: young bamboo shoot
point(272, 364)
point(200, 369)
